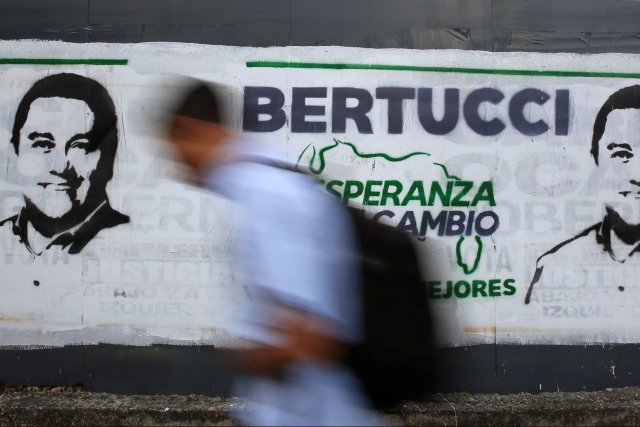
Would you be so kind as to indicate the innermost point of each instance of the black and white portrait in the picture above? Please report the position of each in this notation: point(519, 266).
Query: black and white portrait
point(614, 240)
point(65, 139)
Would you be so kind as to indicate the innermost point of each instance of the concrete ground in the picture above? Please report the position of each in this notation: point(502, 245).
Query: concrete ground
point(63, 406)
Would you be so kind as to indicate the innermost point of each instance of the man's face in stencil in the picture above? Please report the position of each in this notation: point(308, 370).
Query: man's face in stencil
point(619, 153)
point(56, 156)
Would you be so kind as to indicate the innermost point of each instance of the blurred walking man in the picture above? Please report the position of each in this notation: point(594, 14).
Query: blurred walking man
point(297, 252)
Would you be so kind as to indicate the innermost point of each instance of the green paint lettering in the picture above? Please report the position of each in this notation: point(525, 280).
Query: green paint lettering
point(388, 193)
point(462, 289)
point(449, 290)
point(479, 287)
point(511, 290)
point(416, 192)
point(464, 186)
point(433, 289)
point(331, 188)
point(369, 193)
point(485, 193)
point(436, 190)
point(352, 189)
point(494, 287)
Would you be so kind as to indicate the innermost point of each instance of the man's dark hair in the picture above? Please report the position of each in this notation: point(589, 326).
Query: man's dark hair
point(200, 102)
point(628, 97)
point(103, 135)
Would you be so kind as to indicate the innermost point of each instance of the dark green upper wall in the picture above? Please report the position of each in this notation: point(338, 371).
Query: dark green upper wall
point(494, 25)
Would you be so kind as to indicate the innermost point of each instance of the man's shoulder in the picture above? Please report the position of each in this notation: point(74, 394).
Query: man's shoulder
point(251, 165)
point(274, 177)
point(107, 217)
point(569, 250)
point(104, 217)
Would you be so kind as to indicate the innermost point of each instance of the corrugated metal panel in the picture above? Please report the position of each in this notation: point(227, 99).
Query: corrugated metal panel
point(493, 25)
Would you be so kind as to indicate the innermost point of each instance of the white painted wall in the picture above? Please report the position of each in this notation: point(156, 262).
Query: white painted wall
point(173, 260)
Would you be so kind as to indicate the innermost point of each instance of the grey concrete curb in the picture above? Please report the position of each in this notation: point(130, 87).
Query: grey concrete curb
point(103, 409)
point(611, 407)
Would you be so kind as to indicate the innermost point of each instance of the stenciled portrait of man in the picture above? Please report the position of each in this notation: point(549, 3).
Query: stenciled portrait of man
point(65, 140)
point(616, 238)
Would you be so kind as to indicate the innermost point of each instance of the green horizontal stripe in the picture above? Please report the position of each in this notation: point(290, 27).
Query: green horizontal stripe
point(61, 61)
point(495, 71)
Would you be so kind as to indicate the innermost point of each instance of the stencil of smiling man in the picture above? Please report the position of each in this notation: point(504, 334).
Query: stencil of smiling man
point(604, 255)
point(65, 138)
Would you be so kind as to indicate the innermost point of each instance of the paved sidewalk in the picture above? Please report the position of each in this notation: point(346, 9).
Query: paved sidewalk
point(54, 407)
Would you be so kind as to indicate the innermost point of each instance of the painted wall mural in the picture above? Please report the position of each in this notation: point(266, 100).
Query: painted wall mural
point(517, 175)
point(617, 235)
point(65, 123)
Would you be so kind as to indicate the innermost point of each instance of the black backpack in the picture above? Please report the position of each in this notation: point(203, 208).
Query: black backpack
point(395, 358)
